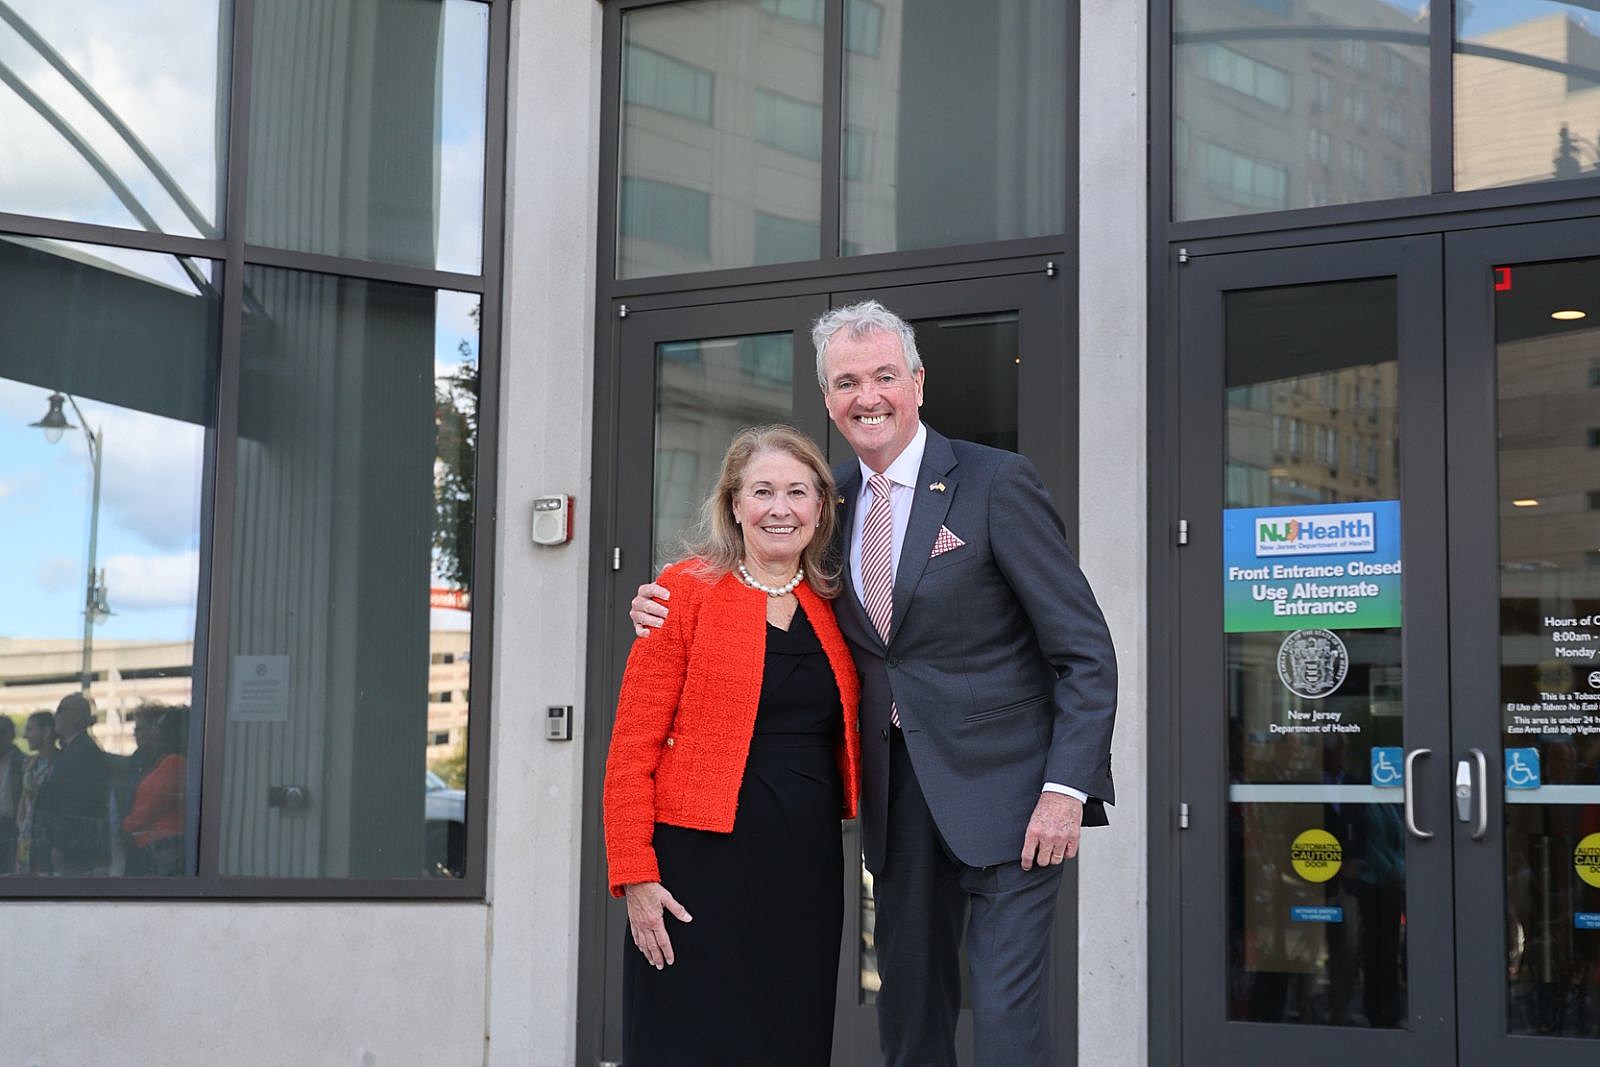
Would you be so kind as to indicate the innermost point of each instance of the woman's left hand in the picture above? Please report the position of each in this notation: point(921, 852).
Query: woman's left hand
point(646, 903)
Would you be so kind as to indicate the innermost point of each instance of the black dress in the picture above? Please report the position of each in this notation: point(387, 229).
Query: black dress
point(754, 979)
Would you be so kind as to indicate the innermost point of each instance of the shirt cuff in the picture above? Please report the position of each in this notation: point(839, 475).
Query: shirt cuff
point(1056, 787)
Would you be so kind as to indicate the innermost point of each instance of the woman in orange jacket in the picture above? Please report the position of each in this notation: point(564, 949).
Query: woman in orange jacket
point(733, 758)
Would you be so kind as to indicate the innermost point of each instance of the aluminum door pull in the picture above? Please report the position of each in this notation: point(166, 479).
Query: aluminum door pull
point(1463, 791)
point(1411, 805)
point(1482, 828)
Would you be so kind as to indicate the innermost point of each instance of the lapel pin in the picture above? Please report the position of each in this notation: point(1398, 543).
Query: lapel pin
point(937, 487)
point(841, 498)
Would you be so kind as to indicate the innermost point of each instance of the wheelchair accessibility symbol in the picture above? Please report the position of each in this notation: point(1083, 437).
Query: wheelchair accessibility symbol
point(1388, 768)
point(1522, 768)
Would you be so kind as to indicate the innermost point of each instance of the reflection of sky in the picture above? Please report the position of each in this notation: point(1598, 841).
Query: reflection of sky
point(149, 535)
point(156, 64)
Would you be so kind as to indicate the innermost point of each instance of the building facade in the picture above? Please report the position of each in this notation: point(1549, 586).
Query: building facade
point(305, 303)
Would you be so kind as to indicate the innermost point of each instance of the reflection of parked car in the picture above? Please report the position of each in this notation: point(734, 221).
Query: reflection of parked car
point(446, 813)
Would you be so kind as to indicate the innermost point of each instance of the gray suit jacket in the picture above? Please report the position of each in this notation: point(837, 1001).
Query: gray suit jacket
point(998, 657)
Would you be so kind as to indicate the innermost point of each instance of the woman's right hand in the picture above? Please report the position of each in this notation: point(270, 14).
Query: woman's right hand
point(646, 903)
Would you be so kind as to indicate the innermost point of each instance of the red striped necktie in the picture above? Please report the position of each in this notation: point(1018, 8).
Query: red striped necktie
point(877, 564)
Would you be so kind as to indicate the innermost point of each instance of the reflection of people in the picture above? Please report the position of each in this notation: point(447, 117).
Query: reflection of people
point(972, 628)
point(733, 758)
point(33, 843)
point(155, 823)
point(75, 800)
point(11, 764)
point(128, 771)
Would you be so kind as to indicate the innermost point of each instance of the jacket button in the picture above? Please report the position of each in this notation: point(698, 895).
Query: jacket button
point(671, 741)
point(894, 661)
point(885, 733)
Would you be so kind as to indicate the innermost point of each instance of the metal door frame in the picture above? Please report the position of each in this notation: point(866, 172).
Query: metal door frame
point(1480, 883)
point(1415, 262)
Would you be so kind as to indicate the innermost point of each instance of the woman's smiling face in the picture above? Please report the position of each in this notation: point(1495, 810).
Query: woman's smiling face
point(776, 508)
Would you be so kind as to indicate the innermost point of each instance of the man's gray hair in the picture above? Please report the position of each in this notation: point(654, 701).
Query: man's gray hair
point(857, 321)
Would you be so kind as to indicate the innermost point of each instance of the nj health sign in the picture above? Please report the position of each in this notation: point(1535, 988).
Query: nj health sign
point(1316, 566)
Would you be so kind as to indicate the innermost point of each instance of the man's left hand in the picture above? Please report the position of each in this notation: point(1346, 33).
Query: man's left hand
point(1053, 831)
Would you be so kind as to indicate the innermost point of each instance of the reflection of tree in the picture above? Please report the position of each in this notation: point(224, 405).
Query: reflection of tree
point(456, 419)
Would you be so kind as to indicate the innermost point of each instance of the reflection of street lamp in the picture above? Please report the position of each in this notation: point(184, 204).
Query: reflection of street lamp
point(95, 608)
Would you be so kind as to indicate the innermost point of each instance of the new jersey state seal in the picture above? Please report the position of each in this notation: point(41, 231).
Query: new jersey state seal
point(1312, 663)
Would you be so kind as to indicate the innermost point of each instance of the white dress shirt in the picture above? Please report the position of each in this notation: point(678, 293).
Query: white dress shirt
point(902, 473)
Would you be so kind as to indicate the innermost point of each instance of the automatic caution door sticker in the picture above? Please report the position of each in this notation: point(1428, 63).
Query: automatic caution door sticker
point(1586, 860)
point(1317, 855)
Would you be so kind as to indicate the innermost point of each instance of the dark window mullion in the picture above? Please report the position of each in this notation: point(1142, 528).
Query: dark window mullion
point(1441, 100)
point(832, 125)
point(219, 601)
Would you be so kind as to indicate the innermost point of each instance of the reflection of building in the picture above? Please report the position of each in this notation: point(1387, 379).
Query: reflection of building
point(1510, 109)
point(1329, 107)
point(36, 673)
point(707, 390)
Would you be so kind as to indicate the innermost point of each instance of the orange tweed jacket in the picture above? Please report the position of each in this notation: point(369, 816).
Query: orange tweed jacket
point(688, 709)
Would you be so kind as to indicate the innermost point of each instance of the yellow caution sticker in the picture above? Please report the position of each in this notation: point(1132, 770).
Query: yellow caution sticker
point(1317, 855)
point(1586, 859)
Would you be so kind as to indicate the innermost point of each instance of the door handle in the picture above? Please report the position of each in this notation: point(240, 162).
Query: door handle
point(1410, 794)
point(1464, 793)
point(1482, 828)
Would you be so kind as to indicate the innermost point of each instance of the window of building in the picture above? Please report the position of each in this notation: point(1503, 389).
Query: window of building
point(666, 214)
point(1243, 180)
point(658, 81)
point(267, 371)
point(791, 125)
point(750, 74)
point(1250, 76)
point(1340, 66)
point(1320, 146)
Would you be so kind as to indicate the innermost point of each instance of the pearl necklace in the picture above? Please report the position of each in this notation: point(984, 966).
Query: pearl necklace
point(772, 590)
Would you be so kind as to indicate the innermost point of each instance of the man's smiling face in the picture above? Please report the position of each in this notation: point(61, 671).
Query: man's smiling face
point(872, 397)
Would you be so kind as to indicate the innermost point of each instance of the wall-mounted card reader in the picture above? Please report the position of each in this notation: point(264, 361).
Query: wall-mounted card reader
point(552, 520)
point(558, 722)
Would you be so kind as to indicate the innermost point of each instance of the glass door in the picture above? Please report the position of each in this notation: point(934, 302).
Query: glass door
point(1314, 734)
point(689, 378)
point(998, 373)
point(1524, 336)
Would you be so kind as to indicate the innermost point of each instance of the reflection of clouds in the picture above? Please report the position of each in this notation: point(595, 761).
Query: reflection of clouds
point(142, 583)
point(463, 90)
point(152, 475)
point(156, 65)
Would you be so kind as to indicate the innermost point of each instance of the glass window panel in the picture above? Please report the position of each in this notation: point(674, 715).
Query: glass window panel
point(107, 394)
point(1527, 92)
point(367, 129)
point(1279, 106)
point(1305, 944)
point(739, 139)
point(112, 113)
point(966, 104)
point(352, 579)
point(1549, 474)
point(706, 390)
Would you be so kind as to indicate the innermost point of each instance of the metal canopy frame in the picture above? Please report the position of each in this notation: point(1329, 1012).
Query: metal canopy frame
point(230, 255)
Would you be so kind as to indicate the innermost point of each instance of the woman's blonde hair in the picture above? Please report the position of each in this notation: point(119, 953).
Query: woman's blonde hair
point(718, 542)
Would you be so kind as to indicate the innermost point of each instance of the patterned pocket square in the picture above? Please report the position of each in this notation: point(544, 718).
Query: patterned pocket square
point(945, 542)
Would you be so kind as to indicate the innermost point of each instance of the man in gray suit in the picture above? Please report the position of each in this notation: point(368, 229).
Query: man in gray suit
point(988, 690)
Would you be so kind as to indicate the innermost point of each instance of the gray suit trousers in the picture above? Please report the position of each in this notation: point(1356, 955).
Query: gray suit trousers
point(923, 896)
